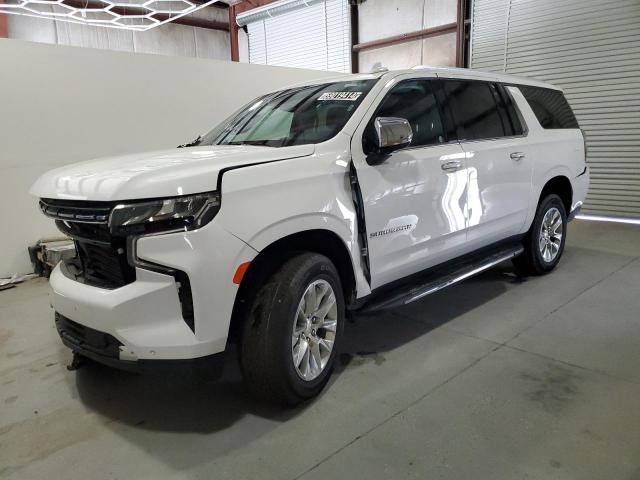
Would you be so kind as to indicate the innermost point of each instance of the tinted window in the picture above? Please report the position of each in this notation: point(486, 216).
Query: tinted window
point(472, 110)
point(414, 101)
point(550, 107)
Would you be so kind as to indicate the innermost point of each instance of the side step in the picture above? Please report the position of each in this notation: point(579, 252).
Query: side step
point(441, 277)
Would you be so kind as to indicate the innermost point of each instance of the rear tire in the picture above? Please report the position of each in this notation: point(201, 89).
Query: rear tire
point(544, 242)
point(278, 332)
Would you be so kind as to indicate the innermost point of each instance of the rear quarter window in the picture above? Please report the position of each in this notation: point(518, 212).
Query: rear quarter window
point(550, 107)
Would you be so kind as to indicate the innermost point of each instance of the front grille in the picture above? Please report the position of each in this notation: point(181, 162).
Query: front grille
point(79, 211)
point(101, 258)
point(89, 232)
point(105, 265)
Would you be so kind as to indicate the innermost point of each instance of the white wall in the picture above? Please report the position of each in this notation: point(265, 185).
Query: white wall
point(60, 105)
point(168, 39)
point(379, 19)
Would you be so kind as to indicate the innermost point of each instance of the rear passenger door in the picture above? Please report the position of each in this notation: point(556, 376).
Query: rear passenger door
point(482, 116)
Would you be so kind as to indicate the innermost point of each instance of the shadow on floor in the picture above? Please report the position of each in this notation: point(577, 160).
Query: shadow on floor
point(172, 404)
point(135, 404)
point(378, 332)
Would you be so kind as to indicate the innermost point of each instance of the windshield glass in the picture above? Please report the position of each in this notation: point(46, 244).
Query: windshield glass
point(298, 116)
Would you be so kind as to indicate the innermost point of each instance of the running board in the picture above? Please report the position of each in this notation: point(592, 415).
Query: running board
point(440, 278)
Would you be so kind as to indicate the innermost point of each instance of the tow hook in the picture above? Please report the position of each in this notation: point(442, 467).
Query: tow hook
point(76, 362)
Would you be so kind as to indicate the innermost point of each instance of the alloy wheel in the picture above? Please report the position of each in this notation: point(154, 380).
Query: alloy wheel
point(550, 238)
point(314, 330)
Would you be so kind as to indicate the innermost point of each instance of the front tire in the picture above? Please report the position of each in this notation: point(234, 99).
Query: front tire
point(292, 331)
point(544, 243)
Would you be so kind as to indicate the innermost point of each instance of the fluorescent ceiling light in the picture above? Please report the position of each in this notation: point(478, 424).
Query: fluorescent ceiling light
point(134, 15)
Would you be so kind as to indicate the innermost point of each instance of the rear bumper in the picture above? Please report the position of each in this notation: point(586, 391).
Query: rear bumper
point(573, 213)
point(580, 187)
point(105, 349)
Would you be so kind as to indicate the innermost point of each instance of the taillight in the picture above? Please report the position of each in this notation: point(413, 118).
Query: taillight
point(584, 141)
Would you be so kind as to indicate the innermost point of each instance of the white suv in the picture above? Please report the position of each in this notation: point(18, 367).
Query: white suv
point(356, 193)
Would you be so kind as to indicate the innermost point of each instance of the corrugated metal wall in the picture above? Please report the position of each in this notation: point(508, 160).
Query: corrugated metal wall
point(316, 35)
point(590, 48)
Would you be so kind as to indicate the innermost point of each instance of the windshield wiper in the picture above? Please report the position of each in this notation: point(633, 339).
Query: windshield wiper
point(261, 143)
point(192, 143)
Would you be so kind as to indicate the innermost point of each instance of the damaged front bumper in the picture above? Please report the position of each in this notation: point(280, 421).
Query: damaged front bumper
point(105, 349)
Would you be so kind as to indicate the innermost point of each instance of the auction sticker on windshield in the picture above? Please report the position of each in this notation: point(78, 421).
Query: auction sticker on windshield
point(344, 96)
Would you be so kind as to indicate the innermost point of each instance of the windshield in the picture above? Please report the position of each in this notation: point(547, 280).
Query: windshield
point(298, 116)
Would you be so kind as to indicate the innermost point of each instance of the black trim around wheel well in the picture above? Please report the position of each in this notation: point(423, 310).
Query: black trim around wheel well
point(324, 242)
point(561, 186)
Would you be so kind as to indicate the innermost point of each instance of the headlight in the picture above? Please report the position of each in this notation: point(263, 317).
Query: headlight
point(179, 213)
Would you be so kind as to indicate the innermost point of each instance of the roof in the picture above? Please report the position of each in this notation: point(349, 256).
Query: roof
point(445, 72)
point(345, 77)
point(442, 72)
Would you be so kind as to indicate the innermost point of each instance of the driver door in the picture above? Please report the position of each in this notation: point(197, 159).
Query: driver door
point(415, 201)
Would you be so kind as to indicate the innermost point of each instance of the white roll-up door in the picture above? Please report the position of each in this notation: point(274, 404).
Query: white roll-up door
point(311, 34)
point(590, 48)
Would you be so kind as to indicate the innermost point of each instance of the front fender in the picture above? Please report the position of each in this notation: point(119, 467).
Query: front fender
point(289, 226)
point(314, 221)
point(267, 202)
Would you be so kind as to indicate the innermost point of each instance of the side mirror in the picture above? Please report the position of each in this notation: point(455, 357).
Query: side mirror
point(392, 134)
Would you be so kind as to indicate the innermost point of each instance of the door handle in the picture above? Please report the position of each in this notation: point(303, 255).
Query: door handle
point(517, 156)
point(451, 166)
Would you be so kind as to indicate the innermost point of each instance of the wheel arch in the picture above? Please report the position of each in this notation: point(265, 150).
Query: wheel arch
point(322, 241)
point(561, 186)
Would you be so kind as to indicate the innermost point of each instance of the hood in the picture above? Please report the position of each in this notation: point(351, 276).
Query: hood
point(179, 171)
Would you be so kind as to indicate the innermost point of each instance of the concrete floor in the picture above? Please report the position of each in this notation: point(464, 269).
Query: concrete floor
point(493, 378)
